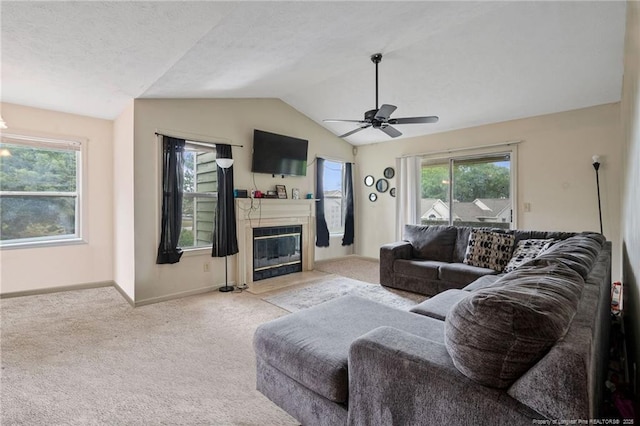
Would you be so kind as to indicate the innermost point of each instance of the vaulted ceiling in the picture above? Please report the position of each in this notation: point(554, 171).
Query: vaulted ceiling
point(470, 63)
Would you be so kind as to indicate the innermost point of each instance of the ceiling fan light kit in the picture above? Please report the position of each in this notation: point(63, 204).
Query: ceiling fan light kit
point(378, 118)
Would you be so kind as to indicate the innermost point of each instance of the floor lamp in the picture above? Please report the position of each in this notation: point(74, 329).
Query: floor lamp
point(224, 164)
point(596, 165)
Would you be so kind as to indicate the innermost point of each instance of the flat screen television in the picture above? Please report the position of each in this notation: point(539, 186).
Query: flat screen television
point(278, 154)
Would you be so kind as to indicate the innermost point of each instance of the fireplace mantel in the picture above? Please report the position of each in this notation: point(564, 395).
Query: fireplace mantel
point(262, 212)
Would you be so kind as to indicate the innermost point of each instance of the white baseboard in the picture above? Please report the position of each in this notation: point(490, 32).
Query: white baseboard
point(179, 295)
point(57, 289)
point(349, 256)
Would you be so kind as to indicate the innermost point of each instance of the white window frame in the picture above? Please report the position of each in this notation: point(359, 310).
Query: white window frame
point(343, 204)
point(198, 147)
point(80, 146)
point(510, 149)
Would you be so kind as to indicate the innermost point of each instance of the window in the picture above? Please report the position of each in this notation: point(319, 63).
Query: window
point(40, 181)
point(334, 202)
point(471, 191)
point(200, 196)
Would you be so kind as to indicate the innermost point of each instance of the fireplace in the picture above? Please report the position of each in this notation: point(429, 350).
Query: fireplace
point(285, 228)
point(276, 251)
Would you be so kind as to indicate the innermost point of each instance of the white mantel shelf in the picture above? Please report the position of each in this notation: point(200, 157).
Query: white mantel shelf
point(263, 212)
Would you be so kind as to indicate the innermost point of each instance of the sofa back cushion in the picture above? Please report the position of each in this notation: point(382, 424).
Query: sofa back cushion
point(431, 242)
point(496, 334)
point(525, 251)
point(578, 252)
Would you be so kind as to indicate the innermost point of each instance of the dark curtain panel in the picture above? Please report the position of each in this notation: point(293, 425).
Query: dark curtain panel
point(322, 231)
point(347, 239)
point(172, 190)
point(225, 241)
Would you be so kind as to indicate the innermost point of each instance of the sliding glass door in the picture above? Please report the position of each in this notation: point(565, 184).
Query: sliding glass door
point(472, 191)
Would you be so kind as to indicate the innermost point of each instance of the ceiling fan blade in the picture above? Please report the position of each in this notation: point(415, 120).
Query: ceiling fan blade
point(354, 131)
point(385, 111)
point(391, 131)
point(414, 120)
point(331, 120)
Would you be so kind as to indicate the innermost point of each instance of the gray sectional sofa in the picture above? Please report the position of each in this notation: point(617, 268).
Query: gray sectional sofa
point(506, 349)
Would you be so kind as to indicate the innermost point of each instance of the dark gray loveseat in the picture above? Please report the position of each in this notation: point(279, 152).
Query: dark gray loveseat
point(530, 344)
point(429, 262)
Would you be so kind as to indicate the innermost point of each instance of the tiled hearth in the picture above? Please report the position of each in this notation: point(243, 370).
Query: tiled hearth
point(263, 213)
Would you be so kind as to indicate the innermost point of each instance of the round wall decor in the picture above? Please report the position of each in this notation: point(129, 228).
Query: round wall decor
point(389, 172)
point(382, 185)
point(392, 192)
point(368, 180)
point(373, 196)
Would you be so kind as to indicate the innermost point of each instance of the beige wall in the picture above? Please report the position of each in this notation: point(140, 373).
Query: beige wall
point(631, 173)
point(233, 119)
point(554, 175)
point(44, 268)
point(123, 202)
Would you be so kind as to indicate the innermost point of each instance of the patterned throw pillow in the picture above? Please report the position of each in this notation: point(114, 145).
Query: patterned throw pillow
point(488, 249)
point(525, 251)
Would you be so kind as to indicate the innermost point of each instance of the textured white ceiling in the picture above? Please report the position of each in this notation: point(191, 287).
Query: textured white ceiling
point(470, 63)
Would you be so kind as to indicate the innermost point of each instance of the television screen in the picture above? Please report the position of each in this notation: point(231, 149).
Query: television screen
point(278, 154)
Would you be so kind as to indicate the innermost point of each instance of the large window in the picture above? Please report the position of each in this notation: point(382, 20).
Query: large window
point(40, 181)
point(472, 191)
point(200, 196)
point(334, 202)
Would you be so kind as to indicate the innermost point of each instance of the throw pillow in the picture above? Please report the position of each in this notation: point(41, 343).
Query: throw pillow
point(489, 249)
point(431, 242)
point(525, 251)
point(496, 334)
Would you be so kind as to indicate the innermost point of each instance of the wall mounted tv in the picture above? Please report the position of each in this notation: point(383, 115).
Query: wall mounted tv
point(278, 154)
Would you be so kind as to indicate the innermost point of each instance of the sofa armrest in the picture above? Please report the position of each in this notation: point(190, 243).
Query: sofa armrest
point(388, 254)
point(399, 378)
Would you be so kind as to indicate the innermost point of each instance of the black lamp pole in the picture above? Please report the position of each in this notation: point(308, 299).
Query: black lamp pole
point(596, 165)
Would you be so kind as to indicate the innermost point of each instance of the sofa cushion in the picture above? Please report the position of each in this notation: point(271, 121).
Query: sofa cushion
point(578, 252)
point(483, 282)
point(427, 269)
point(431, 242)
point(489, 249)
point(439, 305)
point(311, 346)
point(525, 251)
point(496, 334)
point(462, 274)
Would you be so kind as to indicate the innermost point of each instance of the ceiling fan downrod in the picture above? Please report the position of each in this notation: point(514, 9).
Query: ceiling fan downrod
point(376, 58)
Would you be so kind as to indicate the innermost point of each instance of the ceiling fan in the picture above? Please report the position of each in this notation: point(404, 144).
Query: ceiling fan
point(378, 118)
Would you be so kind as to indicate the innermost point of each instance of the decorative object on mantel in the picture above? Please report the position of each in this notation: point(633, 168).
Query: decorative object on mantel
point(281, 190)
point(369, 180)
point(389, 172)
point(225, 242)
point(373, 197)
point(596, 165)
point(392, 192)
point(295, 194)
point(382, 185)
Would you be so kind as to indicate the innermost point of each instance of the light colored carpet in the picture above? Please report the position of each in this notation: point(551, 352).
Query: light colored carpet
point(358, 268)
point(87, 358)
point(305, 296)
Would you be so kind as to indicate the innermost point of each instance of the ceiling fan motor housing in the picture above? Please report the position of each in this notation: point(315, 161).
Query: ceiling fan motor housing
point(370, 117)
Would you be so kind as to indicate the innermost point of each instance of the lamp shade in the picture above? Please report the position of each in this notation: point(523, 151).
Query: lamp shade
point(225, 163)
point(596, 158)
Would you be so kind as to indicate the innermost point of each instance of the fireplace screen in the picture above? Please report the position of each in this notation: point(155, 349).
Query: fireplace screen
point(277, 251)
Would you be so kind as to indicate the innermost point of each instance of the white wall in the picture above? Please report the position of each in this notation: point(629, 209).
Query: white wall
point(631, 174)
point(555, 173)
point(123, 202)
point(44, 268)
point(234, 119)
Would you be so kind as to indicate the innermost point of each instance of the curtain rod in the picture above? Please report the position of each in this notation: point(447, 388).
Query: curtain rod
point(472, 148)
point(197, 141)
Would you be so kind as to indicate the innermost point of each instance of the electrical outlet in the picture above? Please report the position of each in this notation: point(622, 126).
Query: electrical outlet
point(205, 267)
